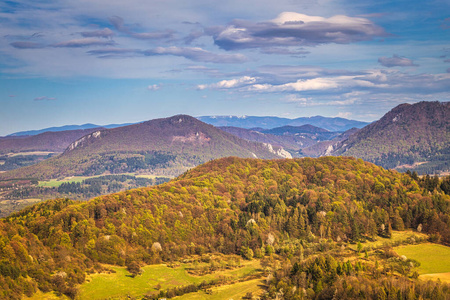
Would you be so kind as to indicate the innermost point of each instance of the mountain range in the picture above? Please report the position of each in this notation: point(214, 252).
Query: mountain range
point(168, 146)
point(248, 122)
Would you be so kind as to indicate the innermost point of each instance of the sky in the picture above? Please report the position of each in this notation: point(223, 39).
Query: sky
point(65, 62)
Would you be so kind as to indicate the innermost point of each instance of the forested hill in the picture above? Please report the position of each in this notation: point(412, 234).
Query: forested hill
point(228, 205)
point(166, 146)
point(47, 141)
point(410, 136)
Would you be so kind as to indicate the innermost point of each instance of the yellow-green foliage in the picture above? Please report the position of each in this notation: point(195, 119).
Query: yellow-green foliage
point(222, 206)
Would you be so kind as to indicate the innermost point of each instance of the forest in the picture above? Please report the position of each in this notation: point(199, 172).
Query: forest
point(300, 214)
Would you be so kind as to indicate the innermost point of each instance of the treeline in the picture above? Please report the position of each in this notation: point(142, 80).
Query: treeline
point(83, 190)
point(324, 277)
point(128, 163)
point(248, 207)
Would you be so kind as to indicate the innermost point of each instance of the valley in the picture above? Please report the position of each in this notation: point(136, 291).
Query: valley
point(176, 208)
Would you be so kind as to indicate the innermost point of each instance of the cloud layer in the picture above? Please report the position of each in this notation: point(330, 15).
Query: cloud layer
point(295, 29)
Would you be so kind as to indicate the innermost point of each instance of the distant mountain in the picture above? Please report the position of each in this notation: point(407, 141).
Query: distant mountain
point(322, 148)
point(47, 141)
point(410, 136)
point(20, 151)
point(288, 142)
point(65, 128)
point(292, 130)
point(291, 138)
point(165, 146)
point(331, 124)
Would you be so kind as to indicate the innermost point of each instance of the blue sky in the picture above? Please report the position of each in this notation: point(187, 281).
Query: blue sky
point(107, 61)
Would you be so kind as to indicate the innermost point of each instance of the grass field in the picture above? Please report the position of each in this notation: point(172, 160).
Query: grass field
point(434, 259)
point(397, 236)
point(229, 291)
point(57, 183)
point(99, 286)
point(41, 153)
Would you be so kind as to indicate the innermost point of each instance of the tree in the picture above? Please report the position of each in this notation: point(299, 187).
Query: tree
point(134, 268)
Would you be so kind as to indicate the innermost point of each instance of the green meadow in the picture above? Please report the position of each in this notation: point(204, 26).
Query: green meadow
point(120, 284)
point(434, 259)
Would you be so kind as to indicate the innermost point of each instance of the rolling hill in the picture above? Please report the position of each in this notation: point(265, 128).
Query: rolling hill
point(165, 146)
point(306, 211)
point(410, 136)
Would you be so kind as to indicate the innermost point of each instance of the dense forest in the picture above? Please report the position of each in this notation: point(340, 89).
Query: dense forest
point(299, 209)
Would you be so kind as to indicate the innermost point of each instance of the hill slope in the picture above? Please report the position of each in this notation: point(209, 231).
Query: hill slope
point(229, 205)
point(47, 141)
point(168, 146)
point(19, 151)
point(417, 134)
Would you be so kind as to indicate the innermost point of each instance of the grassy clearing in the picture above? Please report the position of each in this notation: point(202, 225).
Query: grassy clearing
point(397, 237)
point(46, 296)
point(99, 286)
point(433, 258)
point(229, 291)
point(40, 153)
point(57, 183)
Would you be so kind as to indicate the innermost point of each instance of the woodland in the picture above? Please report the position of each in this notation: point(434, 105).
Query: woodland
point(301, 213)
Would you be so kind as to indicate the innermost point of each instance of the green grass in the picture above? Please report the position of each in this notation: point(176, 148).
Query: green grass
point(433, 258)
point(229, 291)
point(57, 183)
point(118, 285)
point(397, 237)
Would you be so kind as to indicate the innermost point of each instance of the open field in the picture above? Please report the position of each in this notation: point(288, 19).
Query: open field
point(57, 183)
point(397, 237)
point(98, 286)
point(40, 153)
point(228, 291)
point(434, 260)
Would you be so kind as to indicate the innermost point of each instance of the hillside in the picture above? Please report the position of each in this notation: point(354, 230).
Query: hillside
point(301, 209)
point(47, 141)
point(292, 143)
point(164, 146)
point(330, 124)
point(410, 136)
point(20, 151)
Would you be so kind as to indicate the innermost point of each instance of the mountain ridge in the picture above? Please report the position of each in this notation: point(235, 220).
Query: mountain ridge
point(408, 134)
point(177, 143)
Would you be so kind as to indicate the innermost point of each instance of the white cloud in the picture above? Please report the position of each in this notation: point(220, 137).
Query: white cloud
point(295, 29)
point(229, 84)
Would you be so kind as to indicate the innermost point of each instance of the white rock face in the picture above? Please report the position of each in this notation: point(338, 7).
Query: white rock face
point(85, 138)
point(329, 150)
point(280, 152)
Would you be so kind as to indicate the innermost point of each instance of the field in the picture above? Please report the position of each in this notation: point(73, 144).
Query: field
point(58, 182)
point(40, 153)
point(434, 260)
point(154, 277)
point(398, 237)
